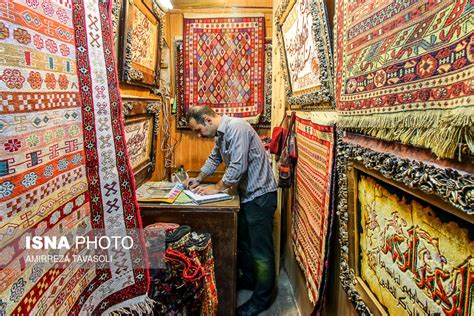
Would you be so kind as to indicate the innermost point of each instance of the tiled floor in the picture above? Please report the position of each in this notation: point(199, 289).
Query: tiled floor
point(284, 304)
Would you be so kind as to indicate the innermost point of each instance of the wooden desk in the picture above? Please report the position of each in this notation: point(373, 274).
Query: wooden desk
point(220, 220)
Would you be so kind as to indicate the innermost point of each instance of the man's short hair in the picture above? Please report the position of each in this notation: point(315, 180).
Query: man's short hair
point(198, 113)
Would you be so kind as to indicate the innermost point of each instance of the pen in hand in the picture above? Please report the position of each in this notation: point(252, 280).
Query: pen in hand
point(190, 184)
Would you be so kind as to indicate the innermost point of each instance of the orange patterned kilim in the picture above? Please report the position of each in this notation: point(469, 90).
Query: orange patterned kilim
point(64, 169)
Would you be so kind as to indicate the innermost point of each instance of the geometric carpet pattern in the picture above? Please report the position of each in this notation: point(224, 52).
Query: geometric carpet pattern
point(312, 210)
point(405, 71)
point(64, 168)
point(264, 120)
point(224, 60)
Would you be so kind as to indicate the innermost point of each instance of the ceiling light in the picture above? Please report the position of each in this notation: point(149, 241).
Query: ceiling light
point(165, 4)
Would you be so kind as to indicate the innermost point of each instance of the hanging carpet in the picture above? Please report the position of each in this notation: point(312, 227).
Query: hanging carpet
point(224, 60)
point(264, 120)
point(313, 203)
point(64, 168)
point(404, 71)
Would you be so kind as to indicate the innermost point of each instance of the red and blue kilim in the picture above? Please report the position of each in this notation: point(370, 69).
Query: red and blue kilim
point(405, 71)
point(313, 205)
point(224, 64)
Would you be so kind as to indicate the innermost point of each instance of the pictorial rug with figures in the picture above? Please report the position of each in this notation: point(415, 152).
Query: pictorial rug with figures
point(224, 60)
point(405, 71)
point(313, 206)
point(304, 37)
point(139, 137)
point(64, 167)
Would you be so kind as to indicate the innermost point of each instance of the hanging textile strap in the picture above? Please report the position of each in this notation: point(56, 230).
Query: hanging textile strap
point(193, 270)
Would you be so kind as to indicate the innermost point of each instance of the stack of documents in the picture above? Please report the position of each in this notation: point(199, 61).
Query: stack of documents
point(201, 199)
point(159, 192)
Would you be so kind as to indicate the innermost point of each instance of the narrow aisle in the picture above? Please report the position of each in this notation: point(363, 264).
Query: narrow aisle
point(284, 304)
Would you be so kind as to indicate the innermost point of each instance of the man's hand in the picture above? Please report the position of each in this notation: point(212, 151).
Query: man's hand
point(207, 190)
point(191, 183)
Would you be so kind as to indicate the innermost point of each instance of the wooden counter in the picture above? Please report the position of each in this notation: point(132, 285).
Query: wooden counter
point(220, 220)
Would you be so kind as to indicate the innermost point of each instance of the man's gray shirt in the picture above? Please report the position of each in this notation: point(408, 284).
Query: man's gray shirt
point(240, 148)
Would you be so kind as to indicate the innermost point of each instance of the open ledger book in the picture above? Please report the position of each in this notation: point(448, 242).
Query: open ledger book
point(201, 199)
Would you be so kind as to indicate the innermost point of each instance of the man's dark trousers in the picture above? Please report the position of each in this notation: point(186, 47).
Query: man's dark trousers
point(256, 255)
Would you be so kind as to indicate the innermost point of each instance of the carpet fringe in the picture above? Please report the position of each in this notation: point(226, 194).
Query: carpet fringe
point(439, 130)
point(143, 308)
point(252, 119)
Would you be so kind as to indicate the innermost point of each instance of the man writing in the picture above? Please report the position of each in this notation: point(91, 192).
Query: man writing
point(247, 167)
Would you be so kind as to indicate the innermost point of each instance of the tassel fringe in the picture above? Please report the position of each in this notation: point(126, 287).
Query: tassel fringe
point(142, 308)
point(439, 130)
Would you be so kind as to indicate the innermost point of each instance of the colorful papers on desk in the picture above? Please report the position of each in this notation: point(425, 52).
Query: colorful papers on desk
point(201, 199)
point(183, 199)
point(159, 192)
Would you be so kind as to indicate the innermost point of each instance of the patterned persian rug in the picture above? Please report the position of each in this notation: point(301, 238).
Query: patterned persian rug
point(404, 71)
point(313, 205)
point(264, 120)
point(64, 168)
point(224, 59)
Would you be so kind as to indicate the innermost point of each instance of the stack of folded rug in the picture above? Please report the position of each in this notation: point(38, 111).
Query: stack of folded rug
point(182, 278)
